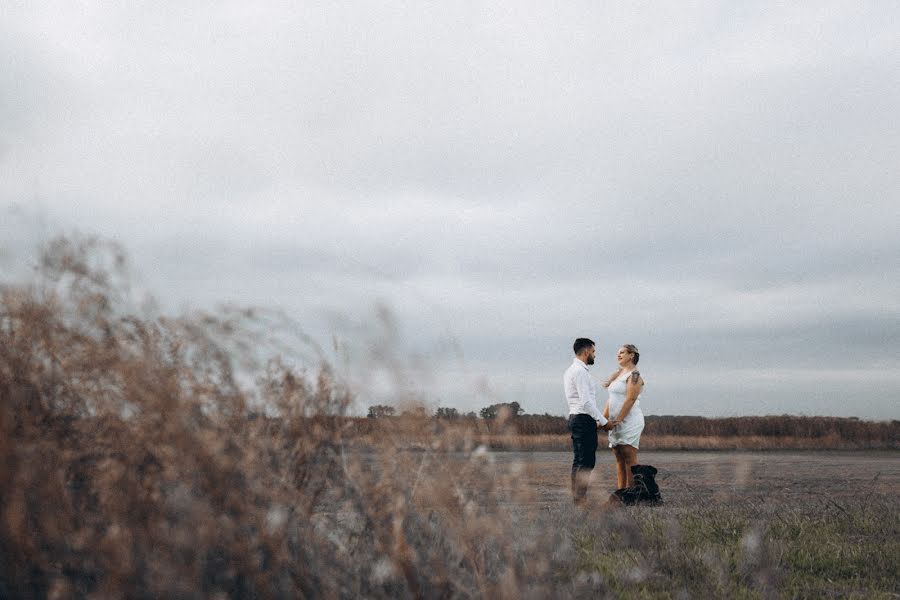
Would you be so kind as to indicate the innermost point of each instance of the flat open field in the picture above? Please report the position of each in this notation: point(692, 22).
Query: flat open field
point(733, 525)
point(793, 479)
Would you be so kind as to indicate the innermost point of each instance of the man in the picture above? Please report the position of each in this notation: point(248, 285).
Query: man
point(585, 418)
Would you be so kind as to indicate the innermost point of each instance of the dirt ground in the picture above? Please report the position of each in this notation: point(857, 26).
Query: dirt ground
point(689, 477)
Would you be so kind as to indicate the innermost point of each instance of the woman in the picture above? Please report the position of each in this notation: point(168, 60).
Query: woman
point(624, 405)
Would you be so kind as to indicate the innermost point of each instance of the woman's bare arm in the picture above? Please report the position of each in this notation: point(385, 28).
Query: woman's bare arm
point(632, 389)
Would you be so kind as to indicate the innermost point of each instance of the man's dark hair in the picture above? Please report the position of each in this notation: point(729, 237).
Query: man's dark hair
point(581, 344)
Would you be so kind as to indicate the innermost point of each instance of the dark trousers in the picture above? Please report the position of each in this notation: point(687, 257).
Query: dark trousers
point(584, 446)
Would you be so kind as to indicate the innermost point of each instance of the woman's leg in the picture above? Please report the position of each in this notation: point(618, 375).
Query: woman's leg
point(620, 467)
point(629, 459)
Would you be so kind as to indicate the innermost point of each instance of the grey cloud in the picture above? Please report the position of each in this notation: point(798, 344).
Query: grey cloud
point(708, 181)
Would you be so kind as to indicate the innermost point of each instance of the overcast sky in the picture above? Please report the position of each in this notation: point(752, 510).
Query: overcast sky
point(456, 190)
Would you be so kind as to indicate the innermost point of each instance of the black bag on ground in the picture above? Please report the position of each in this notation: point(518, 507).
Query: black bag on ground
point(644, 491)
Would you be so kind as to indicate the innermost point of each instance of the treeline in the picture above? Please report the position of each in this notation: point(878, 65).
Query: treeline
point(501, 410)
point(775, 426)
point(502, 418)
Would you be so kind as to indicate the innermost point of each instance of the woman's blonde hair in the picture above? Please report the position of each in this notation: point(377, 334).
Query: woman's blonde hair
point(633, 349)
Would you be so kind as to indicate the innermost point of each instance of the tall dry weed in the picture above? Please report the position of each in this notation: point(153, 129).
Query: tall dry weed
point(148, 456)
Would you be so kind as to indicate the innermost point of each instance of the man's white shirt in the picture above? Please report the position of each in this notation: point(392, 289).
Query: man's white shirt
point(581, 391)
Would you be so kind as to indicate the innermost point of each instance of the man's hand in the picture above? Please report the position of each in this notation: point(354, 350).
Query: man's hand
point(606, 427)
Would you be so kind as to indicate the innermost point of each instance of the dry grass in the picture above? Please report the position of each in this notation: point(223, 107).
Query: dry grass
point(562, 442)
point(130, 466)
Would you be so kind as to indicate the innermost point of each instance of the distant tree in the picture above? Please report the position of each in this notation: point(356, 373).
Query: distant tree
point(380, 411)
point(471, 415)
point(446, 413)
point(514, 409)
point(488, 412)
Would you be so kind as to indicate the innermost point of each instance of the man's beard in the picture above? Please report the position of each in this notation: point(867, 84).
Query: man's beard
point(590, 360)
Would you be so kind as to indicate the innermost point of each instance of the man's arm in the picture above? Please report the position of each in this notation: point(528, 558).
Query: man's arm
point(585, 393)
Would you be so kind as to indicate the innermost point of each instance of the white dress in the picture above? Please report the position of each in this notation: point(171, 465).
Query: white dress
point(629, 431)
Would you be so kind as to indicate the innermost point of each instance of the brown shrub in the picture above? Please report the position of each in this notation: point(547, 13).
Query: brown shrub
point(153, 456)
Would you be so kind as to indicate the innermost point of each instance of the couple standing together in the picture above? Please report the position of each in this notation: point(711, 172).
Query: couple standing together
point(586, 419)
